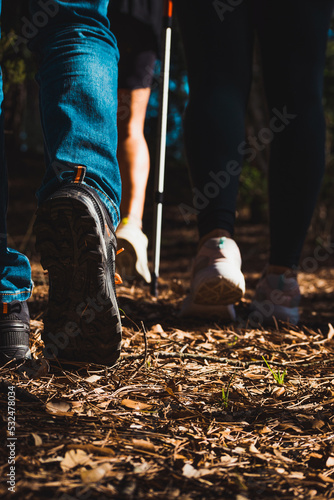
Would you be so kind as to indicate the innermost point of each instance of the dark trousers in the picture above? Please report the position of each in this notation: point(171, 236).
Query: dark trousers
point(218, 38)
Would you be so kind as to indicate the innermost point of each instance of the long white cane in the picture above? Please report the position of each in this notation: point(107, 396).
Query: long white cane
point(161, 142)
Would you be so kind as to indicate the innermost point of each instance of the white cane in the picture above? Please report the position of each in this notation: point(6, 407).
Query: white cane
point(161, 143)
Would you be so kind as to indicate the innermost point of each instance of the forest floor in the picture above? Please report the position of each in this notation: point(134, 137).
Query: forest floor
point(191, 410)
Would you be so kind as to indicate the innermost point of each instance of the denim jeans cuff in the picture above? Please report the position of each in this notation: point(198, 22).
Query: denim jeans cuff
point(20, 295)
point(111, 207)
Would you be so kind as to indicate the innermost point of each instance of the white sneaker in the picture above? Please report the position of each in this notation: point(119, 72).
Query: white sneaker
point(132, 263)
point(276, 296)
point(216, 280)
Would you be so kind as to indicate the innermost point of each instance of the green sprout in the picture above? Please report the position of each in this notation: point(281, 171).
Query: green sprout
point(235, 340)
point(278, 376)
point(225, 395)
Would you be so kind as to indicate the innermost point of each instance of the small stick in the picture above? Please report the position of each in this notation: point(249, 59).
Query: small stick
point(143, 363)
point(216, 359)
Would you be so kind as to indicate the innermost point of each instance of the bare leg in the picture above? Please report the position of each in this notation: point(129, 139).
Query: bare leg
point(134, 163)
point(133, 155)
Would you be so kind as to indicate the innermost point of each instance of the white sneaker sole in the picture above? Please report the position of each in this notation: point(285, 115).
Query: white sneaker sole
point(218, 291)
point(214, 298)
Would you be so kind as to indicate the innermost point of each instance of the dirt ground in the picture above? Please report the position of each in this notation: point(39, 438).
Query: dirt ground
point(191, 411)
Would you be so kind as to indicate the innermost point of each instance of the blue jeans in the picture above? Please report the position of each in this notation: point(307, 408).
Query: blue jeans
point(78, 100)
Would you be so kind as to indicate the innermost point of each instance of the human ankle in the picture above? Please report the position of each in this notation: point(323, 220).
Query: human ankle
point(289, 272)
point(216, 233)
point(132, 219)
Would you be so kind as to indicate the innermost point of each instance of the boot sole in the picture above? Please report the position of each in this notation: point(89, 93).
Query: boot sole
point(82, 321)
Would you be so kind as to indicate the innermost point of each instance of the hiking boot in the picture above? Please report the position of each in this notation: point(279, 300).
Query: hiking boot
point(14, 332)
point(132, 263)
point(276, 296)
point(216, 280)
point(77, 243)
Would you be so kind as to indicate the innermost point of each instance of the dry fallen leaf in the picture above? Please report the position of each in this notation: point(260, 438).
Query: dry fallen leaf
point(58, 408)
point(94, 475)
point(239, 451)
point(278, 392)
point(142, 444)
point(296, 475)
point(92, 379)
point(289, 425)
point(282, 457)
point(326, 479)
point(157, 328)
point(317, 423)
point(141, 468)
point(37, 439)
point(253, 449)
point(135, 405)
point(255, 375)
point(74, 458)
point(264, 430)
point(190, 472)
point(227, 460)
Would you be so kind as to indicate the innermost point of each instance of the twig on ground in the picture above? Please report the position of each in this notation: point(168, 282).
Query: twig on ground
point(143, 363)
point(216, 359)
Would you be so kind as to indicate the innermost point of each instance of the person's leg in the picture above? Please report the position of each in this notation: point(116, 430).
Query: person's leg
point(78, 95)
point(15, 275)
point(132, 152)
point(293, 55)
point(79, 199)
point(218, 50)
point(15, 272)
point(134, 162)
point(138, 54)
point(293, 52)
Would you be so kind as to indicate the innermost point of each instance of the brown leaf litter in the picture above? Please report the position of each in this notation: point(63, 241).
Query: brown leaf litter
point(170, 428)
